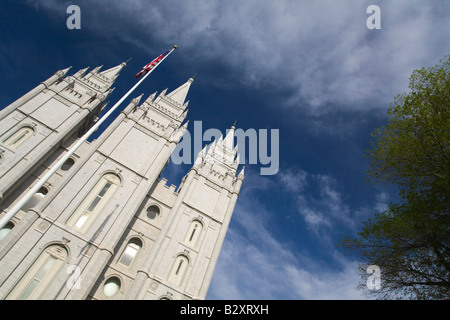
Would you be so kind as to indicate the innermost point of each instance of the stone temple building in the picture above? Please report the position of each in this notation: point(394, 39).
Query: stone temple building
point(105, 225)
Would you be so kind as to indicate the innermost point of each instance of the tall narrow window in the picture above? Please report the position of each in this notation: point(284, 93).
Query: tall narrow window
point(193, 233)
point(94, 202)
point(130, 252)
point(178, 270)
point(18, 137)
point(40, 274)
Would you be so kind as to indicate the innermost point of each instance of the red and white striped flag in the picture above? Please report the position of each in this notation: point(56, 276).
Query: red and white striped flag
point(149, 66)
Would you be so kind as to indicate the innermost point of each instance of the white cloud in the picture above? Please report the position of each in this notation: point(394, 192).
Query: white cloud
point(325, 285)
point(255, 265)
point(331, 198)
point(324, 206)
point(382, 202)
point(294, 181)
point(318, 200)
point(321, 51)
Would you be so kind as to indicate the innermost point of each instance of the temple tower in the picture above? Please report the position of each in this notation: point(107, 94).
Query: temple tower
point(106, 226)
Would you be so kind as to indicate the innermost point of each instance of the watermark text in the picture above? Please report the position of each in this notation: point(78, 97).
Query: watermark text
point(74, 20)
point(253, 145)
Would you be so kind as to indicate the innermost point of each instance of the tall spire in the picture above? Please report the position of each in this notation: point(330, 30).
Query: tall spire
point(224, 148)
point(113, 72)
point(64, 71)
point(179, 94)
point(80, 73)
point(228, 142)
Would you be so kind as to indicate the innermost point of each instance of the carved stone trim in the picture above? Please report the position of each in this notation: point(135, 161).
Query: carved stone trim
point(63, 100)
point(146, 131)
point(213, 185)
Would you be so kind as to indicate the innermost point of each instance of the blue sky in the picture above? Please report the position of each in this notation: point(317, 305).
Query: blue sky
point(311, 69)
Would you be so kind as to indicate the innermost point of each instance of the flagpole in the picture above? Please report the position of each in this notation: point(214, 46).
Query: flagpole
point(19, 204)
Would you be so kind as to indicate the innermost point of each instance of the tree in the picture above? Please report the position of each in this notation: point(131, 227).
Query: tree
point(410, 242)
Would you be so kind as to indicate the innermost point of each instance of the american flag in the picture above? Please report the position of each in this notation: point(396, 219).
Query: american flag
point(149, 66)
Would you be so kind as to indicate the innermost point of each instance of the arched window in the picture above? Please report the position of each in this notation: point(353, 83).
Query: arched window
point(131, 251)
point(193, 233)
point(67, 164)
point(18, 137)
point(152, 212)
point(34, 200)
point(179, 269)
point(6, 229)
point(94, 202)
point(33, 284)
point(111, 287)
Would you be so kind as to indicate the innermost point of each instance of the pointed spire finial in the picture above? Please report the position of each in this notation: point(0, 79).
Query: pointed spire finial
point(125, 63)
point(137, 100)
point(234, 125)
point(151, 97)
point(80, 73)
point(179, 95)
point(96, 69)
point(112, 73)
point(241, 174)
point(62, 73)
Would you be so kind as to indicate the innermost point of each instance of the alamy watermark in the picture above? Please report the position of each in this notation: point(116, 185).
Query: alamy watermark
point(74, 20)
point(374, 21)
point(374, 280)
point(256, 142)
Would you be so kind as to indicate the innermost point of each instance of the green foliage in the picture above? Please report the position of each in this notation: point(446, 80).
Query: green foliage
point(410, 241)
